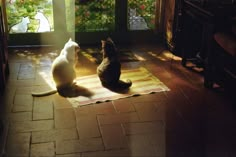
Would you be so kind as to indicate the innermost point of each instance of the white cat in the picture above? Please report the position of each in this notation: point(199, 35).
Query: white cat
point(44, 25)
point(62, 69)
point(136, 22)
point(21, 27)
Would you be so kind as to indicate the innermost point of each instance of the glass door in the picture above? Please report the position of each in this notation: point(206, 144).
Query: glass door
point(45, 22)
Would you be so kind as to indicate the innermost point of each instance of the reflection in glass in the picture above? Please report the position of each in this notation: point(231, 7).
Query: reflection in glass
point(141, 14)
point(29, 16)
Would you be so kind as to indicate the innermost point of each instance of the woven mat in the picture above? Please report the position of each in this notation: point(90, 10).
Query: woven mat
point(143, 83)
point(96, 57)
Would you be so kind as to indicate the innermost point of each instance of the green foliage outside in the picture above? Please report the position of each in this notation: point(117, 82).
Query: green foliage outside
point(90, 15)
point(99, 15)
point(23, 8)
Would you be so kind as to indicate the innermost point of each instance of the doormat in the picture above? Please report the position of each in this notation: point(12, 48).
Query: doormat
point(143, 83)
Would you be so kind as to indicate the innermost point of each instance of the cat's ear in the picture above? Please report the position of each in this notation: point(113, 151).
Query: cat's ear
point(109, 40)
point(103, 42)
point(70, 39)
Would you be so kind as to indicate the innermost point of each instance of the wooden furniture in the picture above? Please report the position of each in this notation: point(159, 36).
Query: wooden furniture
point(221, 68)
point(200, 22)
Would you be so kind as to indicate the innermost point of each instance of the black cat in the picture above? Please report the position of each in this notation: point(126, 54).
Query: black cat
point(110, 68)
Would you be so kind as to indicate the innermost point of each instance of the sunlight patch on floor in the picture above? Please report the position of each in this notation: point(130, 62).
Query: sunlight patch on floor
point(48, 79)
point(140, 58)
point(165, 56)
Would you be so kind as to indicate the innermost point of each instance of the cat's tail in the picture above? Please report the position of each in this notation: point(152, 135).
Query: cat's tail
point(47, 93)
point(124, 85)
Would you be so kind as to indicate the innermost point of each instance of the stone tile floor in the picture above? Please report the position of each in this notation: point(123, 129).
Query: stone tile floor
point(188, 120)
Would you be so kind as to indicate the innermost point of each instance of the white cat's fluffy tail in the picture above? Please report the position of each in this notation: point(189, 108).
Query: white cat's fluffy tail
point(47, 93)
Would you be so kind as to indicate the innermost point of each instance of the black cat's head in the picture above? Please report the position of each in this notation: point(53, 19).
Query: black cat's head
point(109, 48)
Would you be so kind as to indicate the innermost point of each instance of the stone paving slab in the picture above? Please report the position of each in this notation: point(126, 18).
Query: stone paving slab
point(28, 126)
point(42, 150)
point(43, 108)
point(18, 144)
point(109, 153)
point(22, 103)
point(70, 155)
point(123, 105)
point(88, 126)
point(113, 136)
point(20, 99)
point(65, 118)
point(118, 118)
point(77, 146)
point(20, 116)
point(104, 108)
point(54, 135)
point(60, 102)
point(144, 127)
point(148, 111)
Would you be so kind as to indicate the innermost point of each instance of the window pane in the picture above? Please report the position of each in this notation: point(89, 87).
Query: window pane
point(30, 16)
point(141, 14)
point(90, 16)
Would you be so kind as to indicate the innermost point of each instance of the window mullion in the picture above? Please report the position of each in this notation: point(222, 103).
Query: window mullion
point(121, 15)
